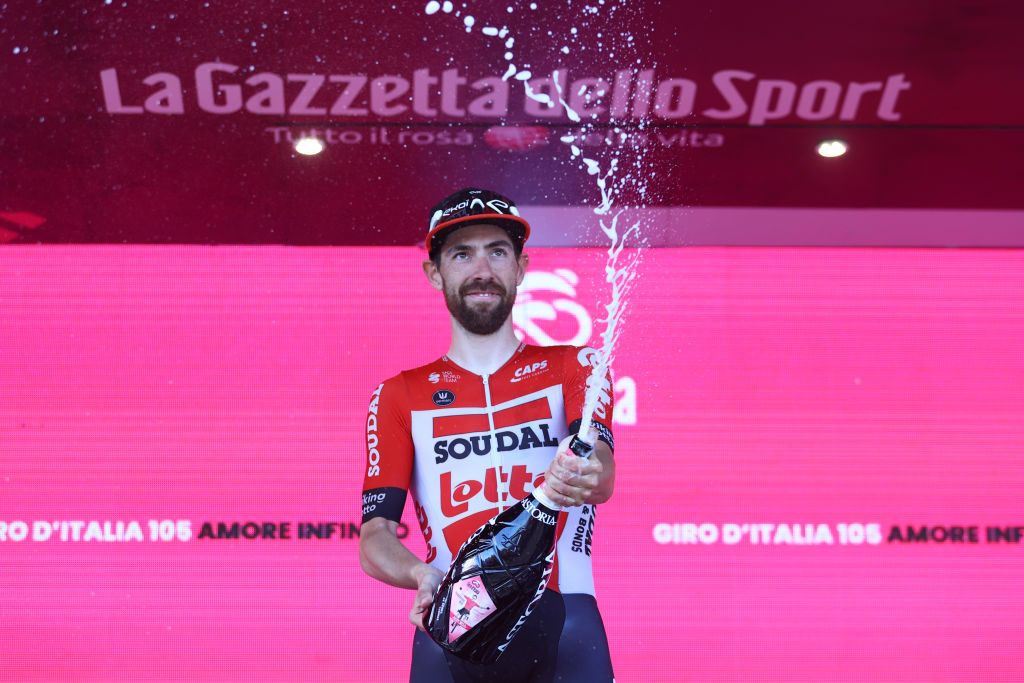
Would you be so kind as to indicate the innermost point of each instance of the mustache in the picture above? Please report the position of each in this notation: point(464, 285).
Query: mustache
point(482, 287)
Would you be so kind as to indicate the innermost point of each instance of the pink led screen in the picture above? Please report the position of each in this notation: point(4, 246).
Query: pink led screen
point(820, 452)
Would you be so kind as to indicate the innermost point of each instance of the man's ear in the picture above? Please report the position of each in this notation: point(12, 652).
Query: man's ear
point(524, 263)
point(433, 275)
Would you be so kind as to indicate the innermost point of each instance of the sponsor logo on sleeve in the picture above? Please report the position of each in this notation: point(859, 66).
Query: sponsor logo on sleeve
point(584, 535)
point(371, 499)
point(372, 439)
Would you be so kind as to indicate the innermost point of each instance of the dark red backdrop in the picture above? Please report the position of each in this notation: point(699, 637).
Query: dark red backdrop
point(948, 134)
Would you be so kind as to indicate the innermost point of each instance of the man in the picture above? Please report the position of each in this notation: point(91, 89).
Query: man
point(478, 429)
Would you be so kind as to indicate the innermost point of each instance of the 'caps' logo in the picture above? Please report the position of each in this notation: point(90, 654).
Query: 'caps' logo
point(444, 398)
point(529, 370)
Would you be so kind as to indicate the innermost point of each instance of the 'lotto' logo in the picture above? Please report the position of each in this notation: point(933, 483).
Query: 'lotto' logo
point(456, 498)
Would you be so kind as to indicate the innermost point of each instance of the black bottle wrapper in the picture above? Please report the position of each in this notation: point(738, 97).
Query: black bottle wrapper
point(581, 447)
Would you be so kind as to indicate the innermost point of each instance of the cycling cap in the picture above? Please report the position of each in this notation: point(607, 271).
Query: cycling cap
point(472, 205)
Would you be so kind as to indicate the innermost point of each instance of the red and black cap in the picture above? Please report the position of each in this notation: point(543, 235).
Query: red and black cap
point(469, 206)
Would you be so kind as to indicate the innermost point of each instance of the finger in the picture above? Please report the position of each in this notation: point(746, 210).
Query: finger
point(564, 473)
point(579, 485)
point(567, 501)
point(567, 495)
point(558, 497)
point(585, 490)
point(584, 484)
point(569, 462)
point(574, 475)
point(559, 486)
point(567, 475)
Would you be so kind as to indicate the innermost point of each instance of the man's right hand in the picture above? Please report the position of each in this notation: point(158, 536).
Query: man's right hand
point(427, 580)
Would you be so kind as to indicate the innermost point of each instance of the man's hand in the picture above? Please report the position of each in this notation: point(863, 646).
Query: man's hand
point(571, 480)
point(427, 580)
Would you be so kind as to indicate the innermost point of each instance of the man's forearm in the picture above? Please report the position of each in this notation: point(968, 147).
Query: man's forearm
point(385, 558)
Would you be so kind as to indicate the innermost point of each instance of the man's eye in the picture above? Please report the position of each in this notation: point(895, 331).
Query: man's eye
point(500, 252)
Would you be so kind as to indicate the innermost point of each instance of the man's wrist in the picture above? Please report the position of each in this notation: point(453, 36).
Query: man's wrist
point(420, 571)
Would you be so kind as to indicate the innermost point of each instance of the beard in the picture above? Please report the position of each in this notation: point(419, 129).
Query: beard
point(482, 317)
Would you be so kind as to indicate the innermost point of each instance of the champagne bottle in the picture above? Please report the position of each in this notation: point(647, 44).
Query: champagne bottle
point(497, 577)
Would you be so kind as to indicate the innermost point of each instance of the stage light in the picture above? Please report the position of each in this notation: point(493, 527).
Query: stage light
point(831, 148)
point(309, 146)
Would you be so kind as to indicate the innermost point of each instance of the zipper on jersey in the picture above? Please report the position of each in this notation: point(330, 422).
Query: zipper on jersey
point(495, 455)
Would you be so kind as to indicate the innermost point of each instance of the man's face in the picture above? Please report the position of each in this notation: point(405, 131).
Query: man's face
point(478, 273)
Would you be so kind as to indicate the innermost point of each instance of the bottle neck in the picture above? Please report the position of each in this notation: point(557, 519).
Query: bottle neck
point(542, 497)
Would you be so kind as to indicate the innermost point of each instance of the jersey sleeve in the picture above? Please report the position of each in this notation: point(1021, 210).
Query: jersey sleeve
point(577, 367)
point(389, 452)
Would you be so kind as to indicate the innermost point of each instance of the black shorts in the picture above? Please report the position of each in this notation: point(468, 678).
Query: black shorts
point(563, 641)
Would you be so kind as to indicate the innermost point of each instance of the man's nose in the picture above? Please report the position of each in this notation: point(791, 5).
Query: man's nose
point(482, 268)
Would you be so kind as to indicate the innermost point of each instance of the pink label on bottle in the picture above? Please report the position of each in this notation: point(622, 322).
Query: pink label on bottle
point(470, 604)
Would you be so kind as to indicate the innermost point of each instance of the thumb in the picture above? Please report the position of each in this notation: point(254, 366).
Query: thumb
point(424, 596)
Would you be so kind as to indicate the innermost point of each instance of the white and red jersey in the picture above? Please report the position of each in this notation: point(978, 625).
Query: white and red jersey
point(466, 443)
